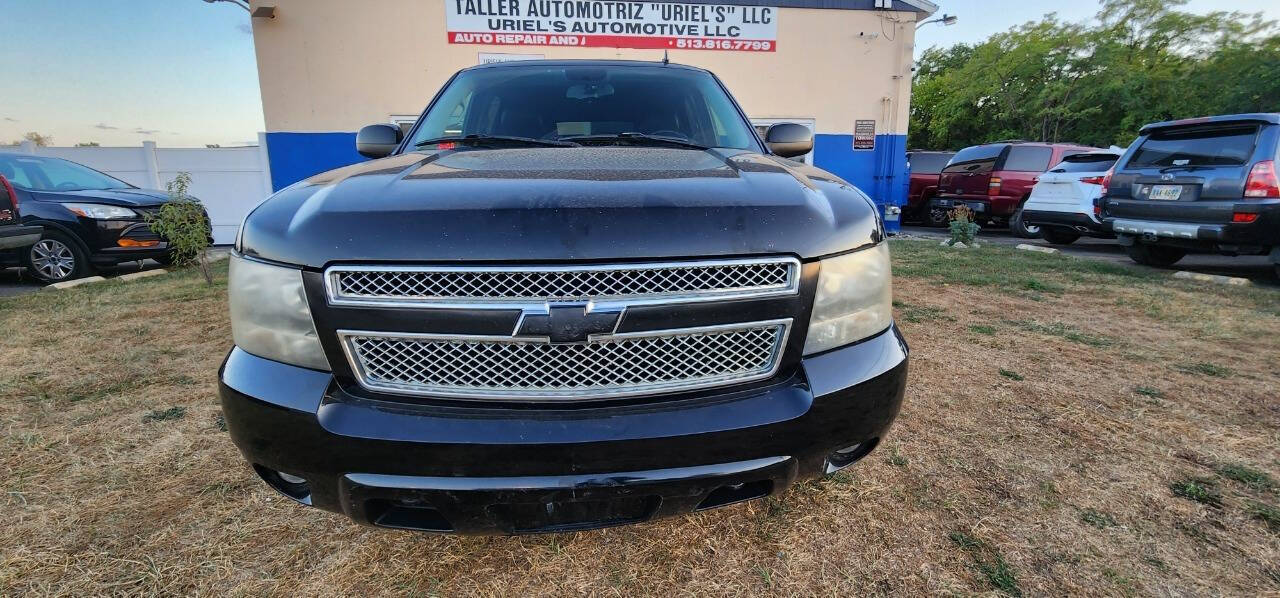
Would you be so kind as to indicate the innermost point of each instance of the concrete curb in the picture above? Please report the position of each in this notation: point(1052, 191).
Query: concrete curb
point(142, 274)
point(1214, 278)
point(58, 286)
point(1035, 248)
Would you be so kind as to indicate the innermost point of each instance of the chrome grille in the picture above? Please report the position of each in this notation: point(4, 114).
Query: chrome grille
point(608, 366)
point(664, 282)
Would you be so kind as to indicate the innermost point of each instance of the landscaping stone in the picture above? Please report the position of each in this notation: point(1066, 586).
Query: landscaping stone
point(58, 286)
point(1036, 248)
point(1214, 278)
point(142, 274)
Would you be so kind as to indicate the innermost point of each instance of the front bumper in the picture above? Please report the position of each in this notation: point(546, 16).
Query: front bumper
point(486, 470)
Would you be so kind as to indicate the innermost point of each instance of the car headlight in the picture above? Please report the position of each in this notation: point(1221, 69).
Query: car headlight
point(99, 211)
point(854, 299)
point(270, 317)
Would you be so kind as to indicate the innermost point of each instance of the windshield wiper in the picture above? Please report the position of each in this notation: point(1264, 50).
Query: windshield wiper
point(635, 138)
point(496, 141)
point(1186, 167)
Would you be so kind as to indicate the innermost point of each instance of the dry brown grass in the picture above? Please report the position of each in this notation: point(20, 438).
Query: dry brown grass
point(1059, 483)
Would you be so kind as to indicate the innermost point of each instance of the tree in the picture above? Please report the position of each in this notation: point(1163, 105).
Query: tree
point(1139, 61)
point(36, 138)
point(87, 144)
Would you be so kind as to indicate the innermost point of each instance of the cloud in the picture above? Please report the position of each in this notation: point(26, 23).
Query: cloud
point(11, 119)
point(105, 127)
point(143, 131)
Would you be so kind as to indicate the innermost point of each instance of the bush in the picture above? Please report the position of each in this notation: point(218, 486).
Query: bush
point(963, 228)
point(182, 221)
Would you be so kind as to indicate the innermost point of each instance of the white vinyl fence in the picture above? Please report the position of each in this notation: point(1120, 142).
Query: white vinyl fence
point(230, 181)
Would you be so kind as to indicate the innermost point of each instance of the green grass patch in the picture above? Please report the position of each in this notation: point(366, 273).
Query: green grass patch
point(1064, 331)
point(1202, 490)
point(1265, 513)
point(1023, 273)
point(982, 329)
point(165, 415)
point(1097, 518)
point(1148, 391)
point(922, 313)
point(1253, 478)
point(1012, 375)
point(1205, 368)
point(989, 562)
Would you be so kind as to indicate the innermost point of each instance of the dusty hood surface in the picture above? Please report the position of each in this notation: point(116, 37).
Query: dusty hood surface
point(551, 204)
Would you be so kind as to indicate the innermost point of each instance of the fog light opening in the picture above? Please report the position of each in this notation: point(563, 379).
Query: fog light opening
point(290, 485)
point(846, 456)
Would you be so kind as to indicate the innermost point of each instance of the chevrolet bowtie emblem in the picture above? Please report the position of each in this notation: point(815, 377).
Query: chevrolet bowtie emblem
point(566, 323)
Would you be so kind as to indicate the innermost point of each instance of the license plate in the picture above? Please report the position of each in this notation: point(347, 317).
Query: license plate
point(1167, 192)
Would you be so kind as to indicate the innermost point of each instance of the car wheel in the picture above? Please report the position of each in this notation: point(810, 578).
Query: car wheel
point(1058, 236)
point(937, 217)
point(1155, 255)
point(1021, 228)
point(56, 258)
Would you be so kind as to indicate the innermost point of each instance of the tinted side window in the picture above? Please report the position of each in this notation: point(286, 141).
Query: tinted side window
point(1221, 146)
point(979, 158)
point(1028, 159)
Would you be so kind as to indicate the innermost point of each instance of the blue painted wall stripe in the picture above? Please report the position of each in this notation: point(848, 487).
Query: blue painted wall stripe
point(880, 173)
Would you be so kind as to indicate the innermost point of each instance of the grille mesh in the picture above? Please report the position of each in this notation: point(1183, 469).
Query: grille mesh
point(561, 284)
point(617, 366)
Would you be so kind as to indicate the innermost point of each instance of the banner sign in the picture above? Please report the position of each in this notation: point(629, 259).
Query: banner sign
point(864, 134)
point(612, 24)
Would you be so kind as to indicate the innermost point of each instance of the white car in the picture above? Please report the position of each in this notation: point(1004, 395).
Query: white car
point(1063, 198)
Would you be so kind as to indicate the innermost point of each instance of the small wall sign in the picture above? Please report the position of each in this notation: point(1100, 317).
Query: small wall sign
point(864, 134)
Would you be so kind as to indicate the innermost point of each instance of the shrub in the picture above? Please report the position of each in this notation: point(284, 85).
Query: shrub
point(183, 223)
point(963, 228)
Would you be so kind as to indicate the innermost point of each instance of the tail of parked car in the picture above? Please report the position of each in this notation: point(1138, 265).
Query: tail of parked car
point(1063, 202)
point(925, 168)
point(995, 179)
point(1201, 184)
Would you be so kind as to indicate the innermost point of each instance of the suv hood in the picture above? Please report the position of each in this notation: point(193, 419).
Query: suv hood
point(548, 204)
point(131, 198)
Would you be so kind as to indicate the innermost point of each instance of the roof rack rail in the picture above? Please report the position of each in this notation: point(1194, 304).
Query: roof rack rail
point(1010, 141)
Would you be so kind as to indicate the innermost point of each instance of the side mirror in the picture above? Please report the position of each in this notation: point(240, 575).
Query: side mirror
point(378, 141)
point(789, 140)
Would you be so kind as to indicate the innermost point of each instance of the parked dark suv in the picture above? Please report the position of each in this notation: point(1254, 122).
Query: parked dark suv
point(577, 294)
point(995, 179)
point(1201, 184)
point(89, 218)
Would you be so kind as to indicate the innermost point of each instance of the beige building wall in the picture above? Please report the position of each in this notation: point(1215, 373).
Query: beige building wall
point(337, 65)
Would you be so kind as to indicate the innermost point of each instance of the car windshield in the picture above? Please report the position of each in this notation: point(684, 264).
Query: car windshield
point(554, 103)
point(34, 173)
point(1218, 146)
point(928, 162)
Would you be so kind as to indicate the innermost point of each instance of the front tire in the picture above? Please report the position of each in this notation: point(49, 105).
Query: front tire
point(1021, 228)
point(1057, 236)
point(56, 257)
point(1155, 255)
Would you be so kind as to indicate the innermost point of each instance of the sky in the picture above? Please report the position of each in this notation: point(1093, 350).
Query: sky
point(182, 73)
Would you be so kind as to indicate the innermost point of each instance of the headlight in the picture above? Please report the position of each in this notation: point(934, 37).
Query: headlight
point(854, 299)
point(100, 211)
point(269, 314)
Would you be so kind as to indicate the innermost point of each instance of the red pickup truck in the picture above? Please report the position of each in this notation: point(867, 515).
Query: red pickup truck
point(925, 167)
point(995, 179)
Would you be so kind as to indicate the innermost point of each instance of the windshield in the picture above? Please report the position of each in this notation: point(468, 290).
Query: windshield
point(928, 162)
point(1221, 146)
point(554, 103)
point(34, 173)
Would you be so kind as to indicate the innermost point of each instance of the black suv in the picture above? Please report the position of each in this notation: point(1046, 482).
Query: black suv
point(576, 294)
point(1200, 184)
